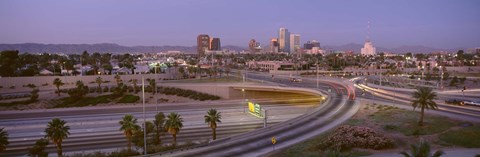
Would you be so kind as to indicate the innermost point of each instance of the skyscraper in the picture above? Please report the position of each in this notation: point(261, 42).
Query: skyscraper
point(215, 44)
point(203, 43)
point(284, 40)
point(274, 45)
point(294, 43)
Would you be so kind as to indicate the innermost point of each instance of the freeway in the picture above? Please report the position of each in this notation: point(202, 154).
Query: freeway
point(338, 108)
point(97, 128)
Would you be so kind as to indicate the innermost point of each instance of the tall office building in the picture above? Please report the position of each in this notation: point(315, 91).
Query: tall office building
point(294, 43)
point(215, 44)
point(284, 40)
point(203, 44)
point(310, 44)
point(254, 46)
point(274, 45)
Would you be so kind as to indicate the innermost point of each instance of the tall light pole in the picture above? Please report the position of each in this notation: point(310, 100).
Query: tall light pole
point(144, 119)
point(317, 73)
point(156, 99)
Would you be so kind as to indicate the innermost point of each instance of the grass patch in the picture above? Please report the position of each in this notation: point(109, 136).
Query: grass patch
point(224, 79)
point(468, 137)
point(14, 103)
point(406, 122)
point(310, 148)
point(85, 101)
point(129, 99)
point(355, 122)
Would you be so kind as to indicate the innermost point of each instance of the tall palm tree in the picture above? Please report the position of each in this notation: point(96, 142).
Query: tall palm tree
point(173, 125)
point(99, 81)
point(159, 126)
point(423, 98)
point(3, 139)
point(212, 117)
point(421, 149)
point(129, 126)
point(56, 131)
point(117, 79)
point(57, 82)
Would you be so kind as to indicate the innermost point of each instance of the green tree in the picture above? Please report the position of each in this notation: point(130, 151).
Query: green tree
point(423, 98)
point(57, 131)
point(34, 95)
point(152, 84)
point(57, 82)
point(129, 126)
point(78, 92)
point(138, 137)
point(118, 79)
point(3, 139)
point(173, 125)
point(212, 118)
point(421, 149)
point(99, 81)
point(159, 123)
point(38, 150)
point(181, 70)
point(8, 63)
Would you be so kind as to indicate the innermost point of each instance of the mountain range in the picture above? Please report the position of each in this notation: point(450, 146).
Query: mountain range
point(118, 49)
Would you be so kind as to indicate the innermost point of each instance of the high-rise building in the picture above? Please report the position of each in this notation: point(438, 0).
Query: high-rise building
point(203, 44)
point(294, 43)
point(284, 40)
point(274, 45)
point(368, 49)
point(215, 44)
point(254, 46)
point(310, 44)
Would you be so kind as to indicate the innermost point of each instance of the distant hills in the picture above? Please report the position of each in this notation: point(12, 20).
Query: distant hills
point(117, 49)
point(401, 50)
point(102, 48)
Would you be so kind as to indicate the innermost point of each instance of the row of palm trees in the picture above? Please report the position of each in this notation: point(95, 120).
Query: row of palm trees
point(172, 124)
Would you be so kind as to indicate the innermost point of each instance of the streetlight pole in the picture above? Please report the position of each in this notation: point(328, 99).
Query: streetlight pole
point(144, 119)
point(317, 73)
point(156, 99)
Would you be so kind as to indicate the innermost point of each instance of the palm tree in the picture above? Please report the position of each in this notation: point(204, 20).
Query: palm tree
point(173, 125)
point(117, 79)
point(129, 126)
point(212, 117)
point(421, 150)
point(39, 148)
point(423, 98)
point(159, 126)
point(56, 131)
point(99, 81)
point(57, 82)
point(3, 139)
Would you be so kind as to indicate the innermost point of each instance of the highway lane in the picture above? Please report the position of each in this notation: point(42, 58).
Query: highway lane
point(104, 127)
point(336, 110)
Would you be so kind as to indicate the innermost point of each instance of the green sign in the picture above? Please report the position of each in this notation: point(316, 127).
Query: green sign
point(255, 109)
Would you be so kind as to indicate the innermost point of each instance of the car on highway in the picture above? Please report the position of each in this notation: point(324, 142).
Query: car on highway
point(472, 103)
point(294, 79)
point(455, 102)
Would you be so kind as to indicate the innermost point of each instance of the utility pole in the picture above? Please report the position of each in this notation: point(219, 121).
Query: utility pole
point(156, 99)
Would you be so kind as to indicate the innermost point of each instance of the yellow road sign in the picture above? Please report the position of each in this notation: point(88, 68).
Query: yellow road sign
point(274, 140)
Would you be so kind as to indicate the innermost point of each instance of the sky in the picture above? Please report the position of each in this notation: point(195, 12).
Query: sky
point(394, 23)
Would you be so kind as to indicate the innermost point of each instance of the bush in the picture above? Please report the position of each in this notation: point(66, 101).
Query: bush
point(346, 137)
point(129, 99)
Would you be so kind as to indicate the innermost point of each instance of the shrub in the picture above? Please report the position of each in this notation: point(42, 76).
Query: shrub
point(347, 137)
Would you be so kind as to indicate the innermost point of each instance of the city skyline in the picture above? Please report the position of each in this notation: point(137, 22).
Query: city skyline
point(439, 24)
